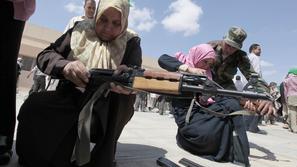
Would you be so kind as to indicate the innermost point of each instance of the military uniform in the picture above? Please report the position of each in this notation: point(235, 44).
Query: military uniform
point(224, 70)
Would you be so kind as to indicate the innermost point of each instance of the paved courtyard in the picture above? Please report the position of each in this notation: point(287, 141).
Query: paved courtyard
point(150, 135)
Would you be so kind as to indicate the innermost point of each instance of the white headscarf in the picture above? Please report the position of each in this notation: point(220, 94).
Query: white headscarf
point(87, 47)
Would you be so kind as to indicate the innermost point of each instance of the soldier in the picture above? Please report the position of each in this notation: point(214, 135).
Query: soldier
point(208, 135)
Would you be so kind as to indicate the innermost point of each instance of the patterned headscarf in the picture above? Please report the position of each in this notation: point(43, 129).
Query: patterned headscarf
point(196, 55)
point(87, 47)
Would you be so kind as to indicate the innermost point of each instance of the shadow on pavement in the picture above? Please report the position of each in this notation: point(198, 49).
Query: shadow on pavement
point(135, 155)
point(128, 155)
point(268, 154)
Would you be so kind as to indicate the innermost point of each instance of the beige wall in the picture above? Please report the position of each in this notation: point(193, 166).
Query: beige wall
point(36, 38)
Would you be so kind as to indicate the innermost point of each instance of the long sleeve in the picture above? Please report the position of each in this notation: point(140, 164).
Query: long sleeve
point(53, 59)
point(133, 53)
point(169, 63)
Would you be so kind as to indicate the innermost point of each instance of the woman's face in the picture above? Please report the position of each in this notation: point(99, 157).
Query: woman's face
point(108, 26)
point(90, 8)
point(206, 63)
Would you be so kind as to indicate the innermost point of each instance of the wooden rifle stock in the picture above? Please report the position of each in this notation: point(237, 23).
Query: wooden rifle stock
point(158, 82)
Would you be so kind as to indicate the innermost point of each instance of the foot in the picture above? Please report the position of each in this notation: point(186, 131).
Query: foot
point(253, 129)
point(5, 157)
point(286, 126)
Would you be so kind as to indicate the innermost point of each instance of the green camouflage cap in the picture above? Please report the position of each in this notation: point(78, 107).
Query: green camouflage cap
point(235, 37)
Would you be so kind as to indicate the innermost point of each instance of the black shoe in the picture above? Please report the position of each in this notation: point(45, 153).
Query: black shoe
point(5, 157)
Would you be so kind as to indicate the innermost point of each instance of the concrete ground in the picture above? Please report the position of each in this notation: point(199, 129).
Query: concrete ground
point(150, 135)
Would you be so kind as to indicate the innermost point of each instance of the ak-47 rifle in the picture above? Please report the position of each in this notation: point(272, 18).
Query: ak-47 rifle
point(168, 83)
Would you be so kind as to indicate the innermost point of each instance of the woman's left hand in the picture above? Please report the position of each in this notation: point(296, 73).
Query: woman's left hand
point(77, 73)
point(118, 88)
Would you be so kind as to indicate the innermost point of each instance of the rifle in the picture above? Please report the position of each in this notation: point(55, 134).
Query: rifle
point(164, 162)
point(168, 83)
point(188, 163)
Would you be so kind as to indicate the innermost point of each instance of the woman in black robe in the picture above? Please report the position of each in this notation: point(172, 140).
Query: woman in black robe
point(49, 124)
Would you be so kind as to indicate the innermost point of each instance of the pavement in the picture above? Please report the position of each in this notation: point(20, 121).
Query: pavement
point(149, 135)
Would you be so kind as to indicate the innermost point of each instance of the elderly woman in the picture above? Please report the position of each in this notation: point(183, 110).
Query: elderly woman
point(50, 133)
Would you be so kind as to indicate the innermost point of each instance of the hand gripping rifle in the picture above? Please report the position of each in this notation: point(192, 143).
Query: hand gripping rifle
point(168, 83)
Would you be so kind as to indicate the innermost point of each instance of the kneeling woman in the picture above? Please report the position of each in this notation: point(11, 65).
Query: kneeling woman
point(48, 133)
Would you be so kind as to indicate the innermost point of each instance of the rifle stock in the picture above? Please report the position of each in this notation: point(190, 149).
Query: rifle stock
point(156, 86)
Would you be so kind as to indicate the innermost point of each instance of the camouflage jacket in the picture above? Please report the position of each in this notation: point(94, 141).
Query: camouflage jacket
point(223, 71)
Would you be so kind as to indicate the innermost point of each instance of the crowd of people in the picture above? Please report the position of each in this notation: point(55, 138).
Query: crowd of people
point(151, 102)
point(57, 127)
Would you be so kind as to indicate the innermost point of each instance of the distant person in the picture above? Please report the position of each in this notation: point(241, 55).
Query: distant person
point(255, 60)
point(290, 91)
point(89, 12)
point(140, 102)
point(254, 56)
point(19, 69)
point(238, 83)
point(151, 101)
point(38, 80)
point(275, 94)
point(13, 15)
point(284, 106)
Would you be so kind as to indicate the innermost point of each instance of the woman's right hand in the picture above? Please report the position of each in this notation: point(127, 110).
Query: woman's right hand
point(77, 73)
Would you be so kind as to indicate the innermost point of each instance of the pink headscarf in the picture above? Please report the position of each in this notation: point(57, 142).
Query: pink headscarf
point(196, 55)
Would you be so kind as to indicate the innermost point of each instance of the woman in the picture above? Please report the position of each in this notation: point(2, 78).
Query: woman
point(198, 61)
point(48, 121)
point(200, 57)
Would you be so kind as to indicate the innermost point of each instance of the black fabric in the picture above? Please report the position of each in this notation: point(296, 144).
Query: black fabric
point(11, 31)
point(45, 118)
point(169, 63)
point(99, 119)
point(251, 123)
point(48, 122)
point(207, 135)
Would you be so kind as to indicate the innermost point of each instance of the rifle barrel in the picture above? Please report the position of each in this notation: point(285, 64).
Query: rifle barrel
point(225, 92)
